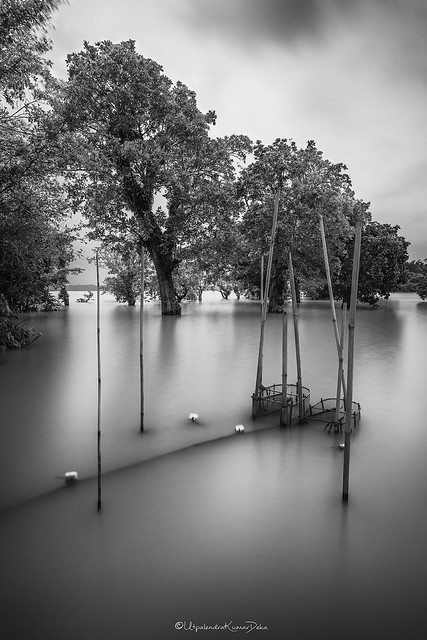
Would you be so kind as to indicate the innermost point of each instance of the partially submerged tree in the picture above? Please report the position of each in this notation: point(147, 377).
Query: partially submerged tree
point(415, 278)
point(382, 264)
point(422, 288)
point(309, 185)
point(143, 137)
point(123, 261)
point(36, 245)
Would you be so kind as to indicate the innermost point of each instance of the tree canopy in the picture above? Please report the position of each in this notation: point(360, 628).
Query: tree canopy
point(308, 185)
point(36, 242)
point(382, 264)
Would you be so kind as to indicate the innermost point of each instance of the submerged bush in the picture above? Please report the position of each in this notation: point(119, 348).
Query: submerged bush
point(14, 335)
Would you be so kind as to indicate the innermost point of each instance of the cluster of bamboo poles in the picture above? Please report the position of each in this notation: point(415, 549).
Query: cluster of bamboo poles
point(284, 414)
point(342, 386)
point(339, 338)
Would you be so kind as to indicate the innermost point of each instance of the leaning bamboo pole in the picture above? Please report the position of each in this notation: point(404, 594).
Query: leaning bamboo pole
point(297, 342)
point(284, 408)
point(98, 349)
point(350, 360)
point(141, 340)
point(331, 300)
point(340, 381)
point(258, 383)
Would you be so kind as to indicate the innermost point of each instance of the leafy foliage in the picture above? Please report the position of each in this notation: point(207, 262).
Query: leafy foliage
point(124, 264)
point(36, 243)
point(24, 41)
point(416, 278)
point(422, 288)
point(14, 334)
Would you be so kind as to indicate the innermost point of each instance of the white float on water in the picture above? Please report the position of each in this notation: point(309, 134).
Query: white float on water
point(71, 477)
point(193, 416)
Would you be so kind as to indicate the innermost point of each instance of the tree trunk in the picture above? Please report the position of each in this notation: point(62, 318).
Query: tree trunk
point(168, 296)
point(64, 296)
point(278, 292)
point(224, 292)
point(140, 200)
point(297, 290)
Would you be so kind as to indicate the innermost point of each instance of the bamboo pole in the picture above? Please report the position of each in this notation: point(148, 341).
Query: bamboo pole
point(284, 409)
point(262, 278)
point(297, 344)
point(258, 383)
point(98, 348)
point(340, 365)
point(350, 361)
point(141, 339)
point(331, 299)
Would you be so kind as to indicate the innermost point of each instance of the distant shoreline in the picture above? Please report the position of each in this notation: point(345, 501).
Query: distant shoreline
point(79, 287)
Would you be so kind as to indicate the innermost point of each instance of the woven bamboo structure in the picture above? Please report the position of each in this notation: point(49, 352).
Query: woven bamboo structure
point(333, 414)
point(270, 400)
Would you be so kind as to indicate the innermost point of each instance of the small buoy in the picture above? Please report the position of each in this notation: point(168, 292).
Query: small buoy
point(71, 477)
point(193, 416)
point(239, 428)
point(341, 445)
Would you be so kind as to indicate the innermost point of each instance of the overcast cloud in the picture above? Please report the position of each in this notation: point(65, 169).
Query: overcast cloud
point(349, 74)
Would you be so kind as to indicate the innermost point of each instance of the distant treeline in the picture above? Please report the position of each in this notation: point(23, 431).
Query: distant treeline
point(80, 287)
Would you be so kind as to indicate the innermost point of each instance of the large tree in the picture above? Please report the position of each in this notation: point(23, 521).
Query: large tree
point(148, 166)
point(382, 264)
point(36, 243)
point(309, 185)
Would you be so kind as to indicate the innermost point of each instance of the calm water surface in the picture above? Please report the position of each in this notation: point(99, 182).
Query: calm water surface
point(243, 528)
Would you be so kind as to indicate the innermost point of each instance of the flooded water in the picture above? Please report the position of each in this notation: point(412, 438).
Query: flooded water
point(235, 529)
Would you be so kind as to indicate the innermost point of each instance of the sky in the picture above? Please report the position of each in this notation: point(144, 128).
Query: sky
point(349, 74)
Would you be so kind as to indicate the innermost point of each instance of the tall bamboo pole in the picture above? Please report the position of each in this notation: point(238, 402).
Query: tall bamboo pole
point(284, 409)
point(297, 344)
point(340, 365)
point(141, 340)
point(351, 329)
point(258, 383)
point(98, 348)
point(262, 278)
point(331, 299)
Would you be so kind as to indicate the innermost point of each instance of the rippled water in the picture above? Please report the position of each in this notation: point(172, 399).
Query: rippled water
point(243, 528)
